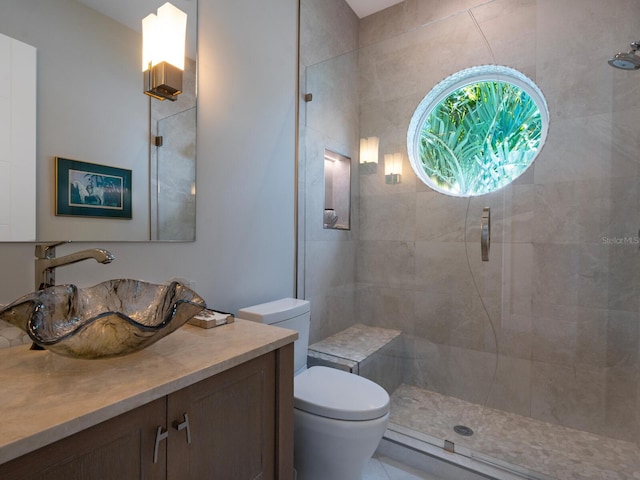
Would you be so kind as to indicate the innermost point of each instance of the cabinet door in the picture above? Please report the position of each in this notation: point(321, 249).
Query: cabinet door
point(118, 449)
point(232, 418)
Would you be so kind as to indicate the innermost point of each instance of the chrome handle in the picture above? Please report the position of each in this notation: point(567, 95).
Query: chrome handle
point(485, 233)
point(184, 425)
point(160, 436)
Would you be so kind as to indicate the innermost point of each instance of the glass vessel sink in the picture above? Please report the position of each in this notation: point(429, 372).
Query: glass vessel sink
point(112, 318)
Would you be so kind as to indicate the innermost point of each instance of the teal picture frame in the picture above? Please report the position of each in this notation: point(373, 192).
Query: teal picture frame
point(91, 190)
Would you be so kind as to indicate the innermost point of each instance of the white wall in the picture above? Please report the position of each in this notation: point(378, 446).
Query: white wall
point(17, 140)
point(244, 251)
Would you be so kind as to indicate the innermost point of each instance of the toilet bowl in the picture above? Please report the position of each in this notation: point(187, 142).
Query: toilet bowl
point(339, 417)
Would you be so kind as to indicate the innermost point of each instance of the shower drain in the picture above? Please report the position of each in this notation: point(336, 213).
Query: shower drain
point(463, 430)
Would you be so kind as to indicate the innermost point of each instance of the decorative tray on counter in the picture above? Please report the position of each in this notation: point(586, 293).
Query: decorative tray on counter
point(210, 318)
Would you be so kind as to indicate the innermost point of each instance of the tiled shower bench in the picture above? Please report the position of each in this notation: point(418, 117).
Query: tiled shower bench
point(371, 352)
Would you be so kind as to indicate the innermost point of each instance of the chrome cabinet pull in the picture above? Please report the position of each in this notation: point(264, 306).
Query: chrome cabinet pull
point(184, 425)
point(160, 436)
point(485, 233)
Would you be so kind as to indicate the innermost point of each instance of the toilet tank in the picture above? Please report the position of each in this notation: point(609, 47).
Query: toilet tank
point(288, 313)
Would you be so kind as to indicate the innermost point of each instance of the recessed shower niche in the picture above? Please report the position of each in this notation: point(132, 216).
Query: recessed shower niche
point(337, 191)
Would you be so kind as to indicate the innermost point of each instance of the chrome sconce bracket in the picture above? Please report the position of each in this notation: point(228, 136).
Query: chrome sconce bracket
point(392, 178)
point(163, 82)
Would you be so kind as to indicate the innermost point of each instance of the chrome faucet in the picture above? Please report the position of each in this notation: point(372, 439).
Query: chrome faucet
point(46, 261)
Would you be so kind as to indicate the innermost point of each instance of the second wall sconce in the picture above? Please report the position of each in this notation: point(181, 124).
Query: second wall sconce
point(163, 51)
point(393, 168)
point(369, 155)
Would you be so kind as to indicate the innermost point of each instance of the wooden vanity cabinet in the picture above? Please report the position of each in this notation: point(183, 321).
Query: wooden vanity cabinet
point(236, 425)
point(239, 406)
point(120, 448)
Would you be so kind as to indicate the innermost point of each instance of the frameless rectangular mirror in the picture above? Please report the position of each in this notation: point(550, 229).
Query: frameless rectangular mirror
point(91, 108)
point(337, 191)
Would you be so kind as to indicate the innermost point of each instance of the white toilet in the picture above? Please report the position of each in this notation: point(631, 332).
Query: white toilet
point(339, 418)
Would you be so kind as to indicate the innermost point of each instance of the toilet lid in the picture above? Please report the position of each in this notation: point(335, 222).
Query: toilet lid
point(340, 395)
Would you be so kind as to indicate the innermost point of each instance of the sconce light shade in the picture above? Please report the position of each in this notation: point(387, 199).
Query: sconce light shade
point(393, 168)
point(369, 150)
point(163, 48)
point(369, 154)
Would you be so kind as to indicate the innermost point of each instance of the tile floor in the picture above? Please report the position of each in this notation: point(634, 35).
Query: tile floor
point(544, 450)
point(382, 468)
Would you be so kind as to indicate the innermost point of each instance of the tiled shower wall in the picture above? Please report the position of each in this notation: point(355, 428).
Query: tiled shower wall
point(557, 305)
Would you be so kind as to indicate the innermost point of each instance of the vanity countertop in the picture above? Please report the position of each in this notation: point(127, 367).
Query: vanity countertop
point(45, 397)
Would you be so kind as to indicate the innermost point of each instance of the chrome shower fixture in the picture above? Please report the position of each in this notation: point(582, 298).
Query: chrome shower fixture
point(627, 61)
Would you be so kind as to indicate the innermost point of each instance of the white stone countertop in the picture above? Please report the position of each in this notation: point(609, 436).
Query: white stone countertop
point(45, 397)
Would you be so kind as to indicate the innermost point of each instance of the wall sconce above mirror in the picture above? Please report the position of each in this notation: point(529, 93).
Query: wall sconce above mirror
point(337, 191)
point(163, 43)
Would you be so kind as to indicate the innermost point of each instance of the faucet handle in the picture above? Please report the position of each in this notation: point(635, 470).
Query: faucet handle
point(48, 250)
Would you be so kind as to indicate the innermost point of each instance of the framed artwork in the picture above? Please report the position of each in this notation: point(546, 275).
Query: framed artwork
point(91, 190)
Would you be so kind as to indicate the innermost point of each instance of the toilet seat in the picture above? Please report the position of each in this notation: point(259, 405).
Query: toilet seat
point(340, 395)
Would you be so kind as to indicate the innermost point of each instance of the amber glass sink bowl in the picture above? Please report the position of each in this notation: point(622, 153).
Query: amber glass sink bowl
point(112, 318)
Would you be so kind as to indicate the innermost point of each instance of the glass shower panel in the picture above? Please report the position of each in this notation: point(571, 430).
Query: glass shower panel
point(329, 123)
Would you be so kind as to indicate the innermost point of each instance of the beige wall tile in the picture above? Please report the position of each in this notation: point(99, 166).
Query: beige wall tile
point(386, 307)
point(555, 273)
point(571, 396)
point(328, 29)
point(511, 388)
point(386, 263)
point(388, 217)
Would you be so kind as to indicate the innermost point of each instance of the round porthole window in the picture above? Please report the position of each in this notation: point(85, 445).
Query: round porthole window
point(477, 131)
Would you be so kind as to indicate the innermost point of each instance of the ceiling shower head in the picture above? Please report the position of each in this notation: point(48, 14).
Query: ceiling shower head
point(627, 61)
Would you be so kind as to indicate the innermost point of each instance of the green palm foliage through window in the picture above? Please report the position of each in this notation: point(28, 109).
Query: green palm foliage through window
point(479, 138)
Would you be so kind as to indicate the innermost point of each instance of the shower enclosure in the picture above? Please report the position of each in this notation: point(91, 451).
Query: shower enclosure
point(534, 352)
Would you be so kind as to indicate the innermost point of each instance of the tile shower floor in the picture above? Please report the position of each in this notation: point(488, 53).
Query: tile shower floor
point(541, 448)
